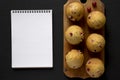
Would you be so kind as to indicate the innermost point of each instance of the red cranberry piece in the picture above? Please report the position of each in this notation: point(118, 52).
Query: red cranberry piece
point(94, 4)
point(89, 9)
point(89, 62)
point(81, 33)
point(88, 69)
point(89, 17)
point(71, 34)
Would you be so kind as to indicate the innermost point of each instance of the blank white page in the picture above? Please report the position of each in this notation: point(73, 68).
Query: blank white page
point(31, 34)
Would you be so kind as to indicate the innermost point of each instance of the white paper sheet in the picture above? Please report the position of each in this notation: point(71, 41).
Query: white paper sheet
point(31, 38)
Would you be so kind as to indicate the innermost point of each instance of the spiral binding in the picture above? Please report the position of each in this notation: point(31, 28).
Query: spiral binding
point(31, 11)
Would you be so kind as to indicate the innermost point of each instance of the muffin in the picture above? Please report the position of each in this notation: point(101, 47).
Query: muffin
point(75, 11)
point(95, 67)
point(74, 59)
point(95, 42)
point(74, 35)
point(96, 20)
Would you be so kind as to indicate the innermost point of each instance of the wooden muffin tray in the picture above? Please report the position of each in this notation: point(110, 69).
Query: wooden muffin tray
point(81, 72)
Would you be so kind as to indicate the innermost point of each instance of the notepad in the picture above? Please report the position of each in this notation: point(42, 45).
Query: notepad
point(31, 34)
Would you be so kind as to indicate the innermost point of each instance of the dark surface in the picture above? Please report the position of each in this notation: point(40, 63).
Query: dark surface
point(112, 41)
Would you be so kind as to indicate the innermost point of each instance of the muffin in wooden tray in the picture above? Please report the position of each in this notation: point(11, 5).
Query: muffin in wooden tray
point(77, 49)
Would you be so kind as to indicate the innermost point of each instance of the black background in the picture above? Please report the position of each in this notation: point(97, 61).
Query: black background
point(112, 55)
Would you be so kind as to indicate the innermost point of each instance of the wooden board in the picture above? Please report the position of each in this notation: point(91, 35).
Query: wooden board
point(81, 72)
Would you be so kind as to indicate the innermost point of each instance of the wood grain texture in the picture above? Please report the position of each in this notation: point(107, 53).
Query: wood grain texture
point(81, 72)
